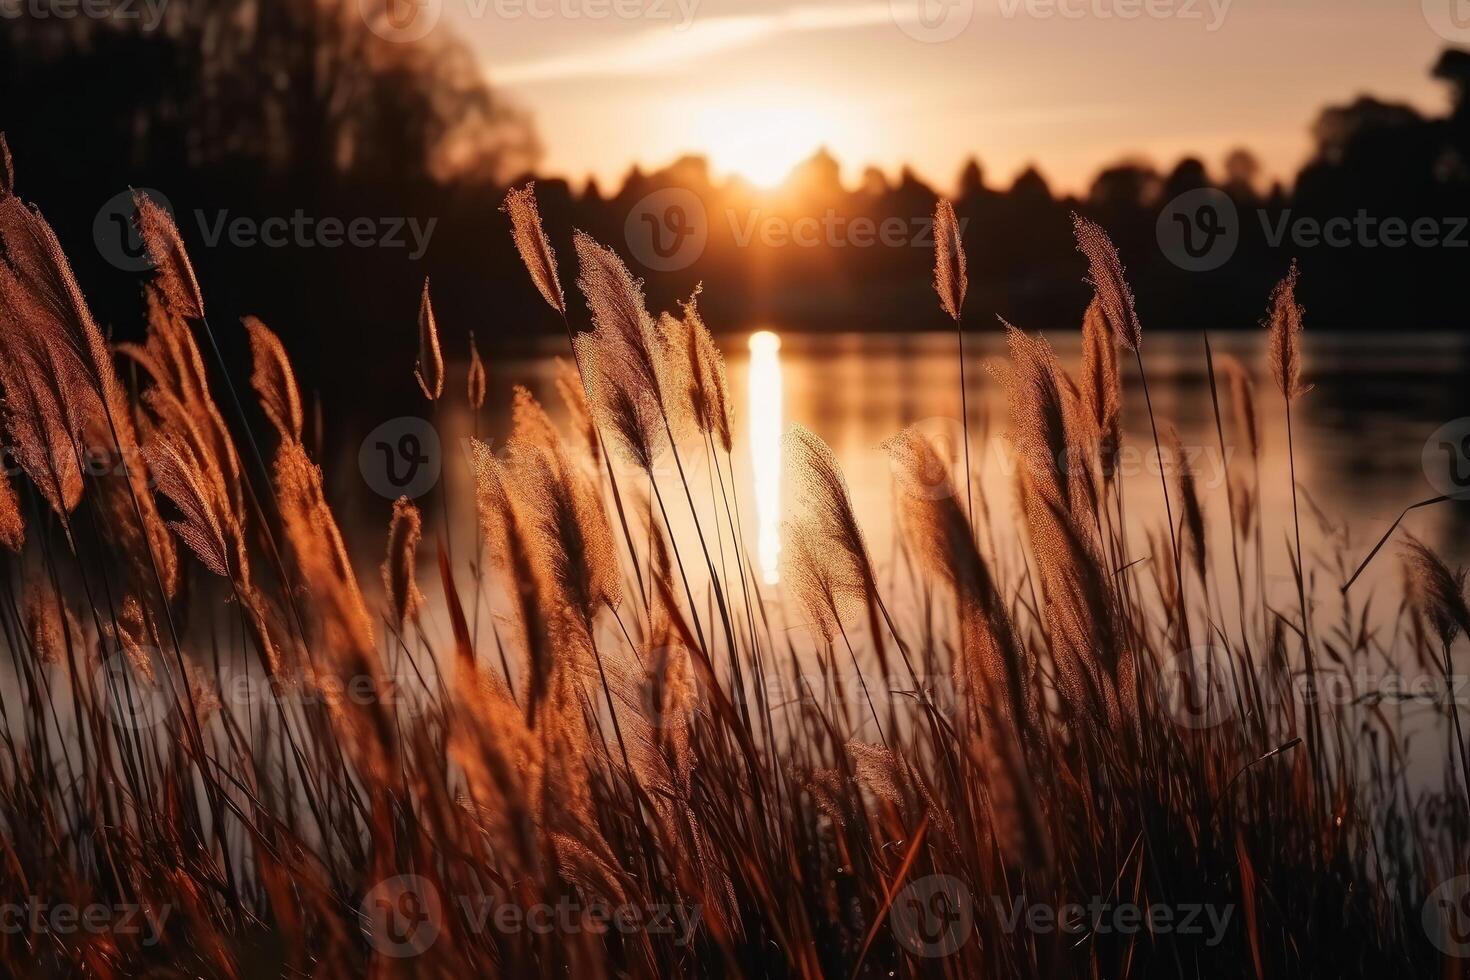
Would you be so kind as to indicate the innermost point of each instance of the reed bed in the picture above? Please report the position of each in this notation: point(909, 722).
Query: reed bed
point(415, 785)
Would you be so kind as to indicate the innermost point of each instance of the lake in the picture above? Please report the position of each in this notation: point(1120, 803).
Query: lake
point(1360, 434)
point(1360, 452)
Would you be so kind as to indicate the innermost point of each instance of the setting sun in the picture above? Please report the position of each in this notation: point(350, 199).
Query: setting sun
point(760, 142)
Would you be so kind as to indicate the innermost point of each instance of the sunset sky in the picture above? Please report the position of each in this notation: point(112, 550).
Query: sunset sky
point(758, 84)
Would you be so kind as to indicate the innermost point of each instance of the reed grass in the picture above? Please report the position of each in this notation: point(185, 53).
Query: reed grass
point(789, 808)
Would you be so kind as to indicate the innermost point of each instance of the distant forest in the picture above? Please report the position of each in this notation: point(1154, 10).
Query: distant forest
point(257, 109)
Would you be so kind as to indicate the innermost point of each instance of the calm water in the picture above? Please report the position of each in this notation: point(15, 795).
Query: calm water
point(1360, 433)
point(1360, 438)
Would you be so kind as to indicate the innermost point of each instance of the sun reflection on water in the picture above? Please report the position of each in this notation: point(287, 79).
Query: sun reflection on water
point(764, 392)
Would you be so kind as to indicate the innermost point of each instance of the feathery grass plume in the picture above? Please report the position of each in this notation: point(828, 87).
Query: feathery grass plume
point(833, 539)
point(951, 282)
point(620, 357)
point(502, 530)
point(574, 399)
point(1436, 594)
point(628, 412)
point(1283, 350)
point(1105, 271)
point(994, 666)
point(502, 760)
point(130, 634)
point(950, 279)
point(530, 426)
point(887, 775)
point(475, 383)
point(1194, 514)
point(531, 242)
point(49, 624)
point(1242, 404)
point(342, 624)
point(1044, 426)
point(1284, 326)
point(180, 479)
point(621, 325)
point(399, 582)
point(172, 360)
point(823, 509)
point(695, 382)
point(814, 581)
point(1060, 514)
point(314, 536)
point(35, 419)
point(274, 381)
point(429, 369)
point(188, 475)
point(173, 274)
point(12, 524)
point(41, 297)
point(878, 769)
point(1101, 388)
point(570, 537)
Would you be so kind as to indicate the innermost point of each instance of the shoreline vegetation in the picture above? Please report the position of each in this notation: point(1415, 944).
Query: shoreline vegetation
point(1060, 759)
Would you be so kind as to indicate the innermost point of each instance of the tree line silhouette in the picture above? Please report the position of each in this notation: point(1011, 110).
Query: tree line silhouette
point(261, 109)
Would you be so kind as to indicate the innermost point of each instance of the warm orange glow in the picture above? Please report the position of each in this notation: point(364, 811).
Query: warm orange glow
point(764, 411)
point(759, 141)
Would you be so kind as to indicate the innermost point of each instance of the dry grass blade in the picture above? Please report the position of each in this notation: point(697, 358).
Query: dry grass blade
point(1194, 513)
point(1242, 404)
point(7, 169)
point(429, 371)
point(475, 379)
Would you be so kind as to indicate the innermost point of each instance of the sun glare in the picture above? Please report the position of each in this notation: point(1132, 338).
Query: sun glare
point(765, 389)
point(761, 143)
